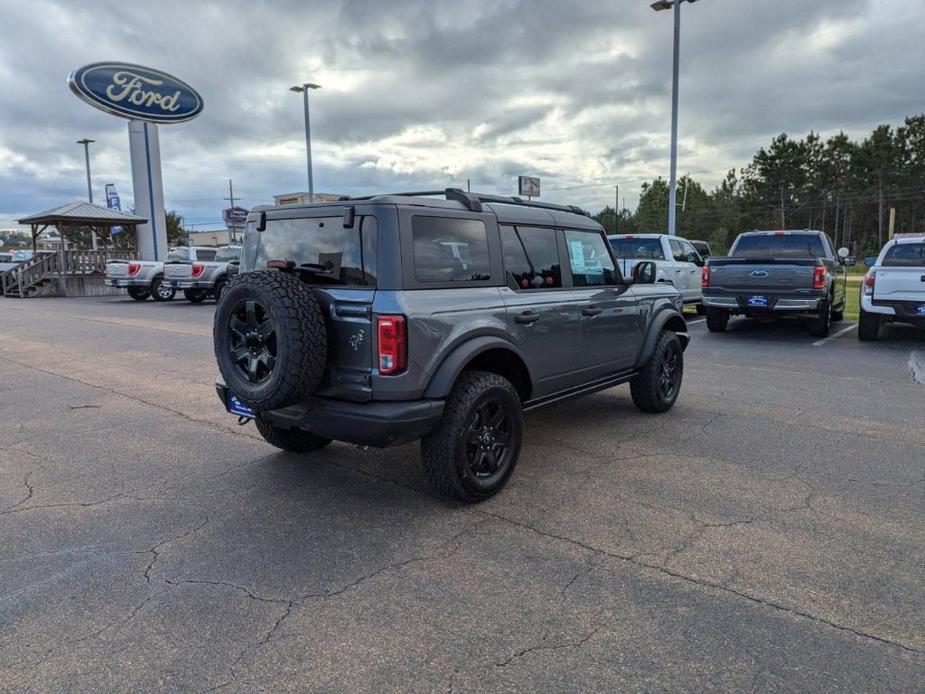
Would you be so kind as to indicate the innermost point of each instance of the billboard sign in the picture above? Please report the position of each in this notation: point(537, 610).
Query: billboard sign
point(529, 186)
point(235, 216)
point(135, 92)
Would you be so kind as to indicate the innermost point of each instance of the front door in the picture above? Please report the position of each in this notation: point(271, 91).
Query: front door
point(610, 330)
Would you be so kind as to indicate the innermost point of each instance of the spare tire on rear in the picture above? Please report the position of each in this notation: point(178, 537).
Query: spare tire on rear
point(270, 339)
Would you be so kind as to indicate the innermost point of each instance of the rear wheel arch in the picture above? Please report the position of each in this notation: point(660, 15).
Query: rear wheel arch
point(488, 354)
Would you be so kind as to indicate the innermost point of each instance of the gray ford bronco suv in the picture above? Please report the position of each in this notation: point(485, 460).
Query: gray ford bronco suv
point(387, 319)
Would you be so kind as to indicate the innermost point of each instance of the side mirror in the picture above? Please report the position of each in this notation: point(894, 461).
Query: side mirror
point(644, 272)
point(850, 261)
point(843, 252)
point(870, 260)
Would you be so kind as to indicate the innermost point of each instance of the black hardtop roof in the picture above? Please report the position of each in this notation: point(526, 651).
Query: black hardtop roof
point(508, 209)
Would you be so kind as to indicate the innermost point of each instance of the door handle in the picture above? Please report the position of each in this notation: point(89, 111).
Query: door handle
point(591, 311)
point(527, 317)
point(678, 269)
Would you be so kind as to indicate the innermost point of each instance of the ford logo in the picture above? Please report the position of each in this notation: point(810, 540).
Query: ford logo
point(759, 273)
point(137, 92)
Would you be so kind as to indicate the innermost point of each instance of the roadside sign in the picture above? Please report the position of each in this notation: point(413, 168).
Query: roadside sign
point(529, 186)
point(235, 216)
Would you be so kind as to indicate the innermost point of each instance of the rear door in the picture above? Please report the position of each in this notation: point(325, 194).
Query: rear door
point(610, 328)
point(343, 279)
point(691, 268)
point(543, 314)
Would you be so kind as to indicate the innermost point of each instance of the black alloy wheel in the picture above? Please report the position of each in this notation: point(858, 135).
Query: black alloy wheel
point(669, 380)
point(252, 341)
point(488, 442)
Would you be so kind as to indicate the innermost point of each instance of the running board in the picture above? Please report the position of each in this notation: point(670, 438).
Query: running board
point(593, 387)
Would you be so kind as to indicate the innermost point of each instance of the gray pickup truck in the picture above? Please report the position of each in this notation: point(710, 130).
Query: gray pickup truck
point(770, 274)
point(201, 272)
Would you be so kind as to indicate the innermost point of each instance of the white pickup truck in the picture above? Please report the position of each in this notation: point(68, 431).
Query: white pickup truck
point(676, 261)
point(893, 290)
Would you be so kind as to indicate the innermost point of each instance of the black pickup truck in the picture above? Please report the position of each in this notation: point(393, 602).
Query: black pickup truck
point(770, 274)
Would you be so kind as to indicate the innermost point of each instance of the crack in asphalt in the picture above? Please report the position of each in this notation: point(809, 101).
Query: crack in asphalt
point(703, 583)
point(30, 491)
point(292, 602)
point(154, 550)
point(551, 647)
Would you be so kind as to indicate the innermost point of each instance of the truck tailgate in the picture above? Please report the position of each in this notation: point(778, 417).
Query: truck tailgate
point(178, 271)
point(117, 268)
point(780, 277)
point(900, 284)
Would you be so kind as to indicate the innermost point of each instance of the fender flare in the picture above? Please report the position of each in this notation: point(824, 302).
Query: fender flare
point(658, 323)
point(450, 368)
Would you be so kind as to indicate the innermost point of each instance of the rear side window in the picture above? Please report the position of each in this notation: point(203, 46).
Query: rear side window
point(643, 249)
point(677, 251)
point(227, 254)
point(589, 259)
point(779, 246)
point(531, 257)
point(450, 250)
point(905, 255)
point(329, 253)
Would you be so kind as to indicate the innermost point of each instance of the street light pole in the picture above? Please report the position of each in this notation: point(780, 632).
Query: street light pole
point(673, 173)
point(308, 134)
point(86, 143)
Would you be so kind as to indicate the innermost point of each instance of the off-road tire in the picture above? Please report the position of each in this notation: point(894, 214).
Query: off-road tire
point(717, 320)
point(868, 326)
point(822, 325)
point(291, 440)
point(195, 296)
point(139, 293)
point(295, 318)
point(646, 387)
point(444, 451)
point(161, 293)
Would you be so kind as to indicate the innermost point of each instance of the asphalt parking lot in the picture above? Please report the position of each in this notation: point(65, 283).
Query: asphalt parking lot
point(767, 534)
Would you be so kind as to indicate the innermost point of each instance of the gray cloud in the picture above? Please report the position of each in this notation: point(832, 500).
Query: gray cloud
point(423, 94)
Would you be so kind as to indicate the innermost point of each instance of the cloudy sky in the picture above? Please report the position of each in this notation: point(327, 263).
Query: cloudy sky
point(424, 93)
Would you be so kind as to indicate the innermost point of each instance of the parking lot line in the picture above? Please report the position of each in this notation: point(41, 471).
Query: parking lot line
point(695, 322)
point(836, 335)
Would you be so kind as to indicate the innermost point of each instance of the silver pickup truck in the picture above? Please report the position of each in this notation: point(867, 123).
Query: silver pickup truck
point(141, 278)
point(205, 276)
point(770, 274)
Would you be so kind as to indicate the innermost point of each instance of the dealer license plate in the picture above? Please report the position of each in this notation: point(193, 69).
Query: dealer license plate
point(235, 406)
point(758, 301)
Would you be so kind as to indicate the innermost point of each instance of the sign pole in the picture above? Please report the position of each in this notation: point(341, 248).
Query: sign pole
point(145, 150)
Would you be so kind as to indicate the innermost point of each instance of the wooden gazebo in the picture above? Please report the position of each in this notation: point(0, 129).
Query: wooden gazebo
point(80, 214)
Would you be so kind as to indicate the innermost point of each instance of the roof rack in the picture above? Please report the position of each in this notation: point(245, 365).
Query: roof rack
point(473, 201)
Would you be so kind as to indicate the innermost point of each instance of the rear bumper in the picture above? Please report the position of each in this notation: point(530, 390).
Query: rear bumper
point(379, 424)
point(123, 282)
point(738, 303)
point(188, 284)
point(898, 311)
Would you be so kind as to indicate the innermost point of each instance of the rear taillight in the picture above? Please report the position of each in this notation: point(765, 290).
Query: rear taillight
point(134, 269)
point(705, 277)
point(819, 277)
point(198, 269)
point(393, 344)
point(870, 281)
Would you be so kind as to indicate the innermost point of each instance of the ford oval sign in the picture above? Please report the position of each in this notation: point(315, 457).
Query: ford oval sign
point(136, 92)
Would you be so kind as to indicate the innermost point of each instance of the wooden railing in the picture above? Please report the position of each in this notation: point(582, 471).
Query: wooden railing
point(45, 264)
